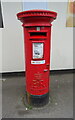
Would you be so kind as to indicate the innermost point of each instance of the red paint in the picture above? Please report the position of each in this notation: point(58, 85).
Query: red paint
point(37, 75)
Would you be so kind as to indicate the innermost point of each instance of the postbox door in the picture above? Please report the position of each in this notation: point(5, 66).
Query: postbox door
point(40, 67)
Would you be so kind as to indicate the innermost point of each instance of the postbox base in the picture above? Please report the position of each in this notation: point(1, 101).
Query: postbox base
point(38, 100)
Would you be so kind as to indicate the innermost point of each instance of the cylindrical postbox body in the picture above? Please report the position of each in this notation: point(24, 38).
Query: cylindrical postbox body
point(37, 39)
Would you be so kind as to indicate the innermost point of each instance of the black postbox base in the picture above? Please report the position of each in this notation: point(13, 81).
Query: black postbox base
point(38, 100)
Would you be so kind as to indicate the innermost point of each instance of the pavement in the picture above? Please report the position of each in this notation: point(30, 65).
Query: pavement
point(60, 104)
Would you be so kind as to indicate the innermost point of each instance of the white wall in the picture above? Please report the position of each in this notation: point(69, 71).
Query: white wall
point(1, 49)
point(12, 41)
point(12, 38)
point(62, 38)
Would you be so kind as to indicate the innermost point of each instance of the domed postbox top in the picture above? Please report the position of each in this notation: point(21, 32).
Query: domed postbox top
point(31, 13)
point(38, 16)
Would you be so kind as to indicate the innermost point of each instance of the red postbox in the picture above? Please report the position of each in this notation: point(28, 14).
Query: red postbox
point(37, 40)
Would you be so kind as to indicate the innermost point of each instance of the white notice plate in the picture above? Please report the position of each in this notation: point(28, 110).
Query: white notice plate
point(37, 50)
point(38, 62)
